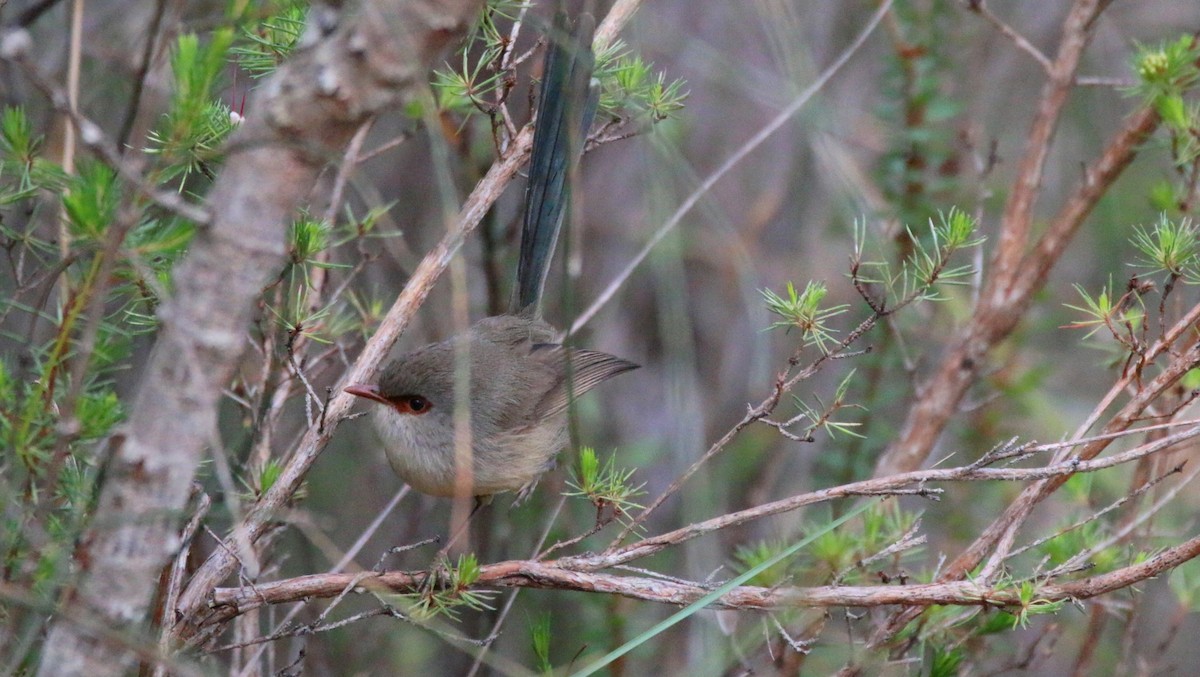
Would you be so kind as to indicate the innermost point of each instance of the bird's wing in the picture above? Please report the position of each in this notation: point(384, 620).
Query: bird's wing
point(584, 370)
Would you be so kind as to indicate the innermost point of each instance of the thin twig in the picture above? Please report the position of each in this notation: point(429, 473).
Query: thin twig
point(166, 617)
point(707, 184)
point(221, 564)
point(93, 137)
point(981, 8)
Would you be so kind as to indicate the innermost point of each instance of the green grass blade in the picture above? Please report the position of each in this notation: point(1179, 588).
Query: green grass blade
point(718, 593)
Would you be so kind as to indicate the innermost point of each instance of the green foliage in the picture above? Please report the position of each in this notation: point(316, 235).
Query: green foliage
point(630, 87)
point(20, 159)
point(296, 309)
point(920, 168)
point(803, 311)
point(926, 267)
point(539, 637)
point(196, 123)
point(604, 484)
point(1170, 246)
point(463, 91)
point(1105, 310)
point(751, 556)
point(1167, 69)
point(821, 417)
point(307, 238)
point(453, 594)
point(91, 201)
point(1167, 77)
point(266, 43)
point(1032, 605)
point(946, 662)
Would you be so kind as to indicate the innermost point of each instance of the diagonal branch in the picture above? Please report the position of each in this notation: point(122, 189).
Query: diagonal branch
point(375, 58)
point(222, 563)
point(998, 313)
point(1003, 529)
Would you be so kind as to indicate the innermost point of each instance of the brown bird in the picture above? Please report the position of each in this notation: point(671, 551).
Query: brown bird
point(520, 381)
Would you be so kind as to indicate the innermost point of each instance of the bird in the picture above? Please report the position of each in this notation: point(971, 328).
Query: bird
point(521, 381)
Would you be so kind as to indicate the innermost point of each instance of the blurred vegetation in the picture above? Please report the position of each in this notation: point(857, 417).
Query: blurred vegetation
point(923, 130)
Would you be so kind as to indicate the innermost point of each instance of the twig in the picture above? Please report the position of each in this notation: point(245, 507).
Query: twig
point(706, 185)
point(981, 8)
point(175, 580)
point(220, 564)
point(14, 47)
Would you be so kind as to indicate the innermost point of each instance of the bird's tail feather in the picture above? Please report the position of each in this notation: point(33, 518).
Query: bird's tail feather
point(567, 105)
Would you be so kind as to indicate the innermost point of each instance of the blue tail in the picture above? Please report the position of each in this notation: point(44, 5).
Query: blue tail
point(567, 104)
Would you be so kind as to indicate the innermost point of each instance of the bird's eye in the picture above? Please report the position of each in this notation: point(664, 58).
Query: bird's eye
point(411, 404)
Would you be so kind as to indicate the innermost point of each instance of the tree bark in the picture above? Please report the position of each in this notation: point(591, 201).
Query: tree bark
point(361, 60)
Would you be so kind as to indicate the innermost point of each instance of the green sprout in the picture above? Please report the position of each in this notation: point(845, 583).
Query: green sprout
point(630, 86)
point(268, 43)
point(803, 311)
point(1103, 310)
point(1032, 605)
point(604, 484)
point(455, 594)
point(1170, 246)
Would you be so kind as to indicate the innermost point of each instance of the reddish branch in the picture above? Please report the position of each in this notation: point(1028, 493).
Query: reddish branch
point(259, 519)
point(1018, 271)
point(585, 572)
point(229, 602)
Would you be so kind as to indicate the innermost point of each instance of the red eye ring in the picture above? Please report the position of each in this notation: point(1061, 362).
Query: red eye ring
point(410, 404)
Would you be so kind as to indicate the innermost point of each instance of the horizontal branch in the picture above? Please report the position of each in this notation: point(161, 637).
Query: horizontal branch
point(221, 563)
point(881, 486)
point(582, 573)
point(229, 602)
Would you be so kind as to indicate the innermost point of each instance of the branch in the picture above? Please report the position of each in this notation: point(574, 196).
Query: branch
point(883, 486)
point(222, 563)
point(552, 575)
point(1003, 529)
point(996, 316)
point(311, 108)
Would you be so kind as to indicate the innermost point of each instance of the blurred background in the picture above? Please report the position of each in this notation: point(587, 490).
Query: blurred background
point(931, 113)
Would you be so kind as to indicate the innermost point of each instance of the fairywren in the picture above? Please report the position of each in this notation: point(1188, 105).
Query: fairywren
point(520, 381)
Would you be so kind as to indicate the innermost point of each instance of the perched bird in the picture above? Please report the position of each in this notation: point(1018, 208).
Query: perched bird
point(520, 381)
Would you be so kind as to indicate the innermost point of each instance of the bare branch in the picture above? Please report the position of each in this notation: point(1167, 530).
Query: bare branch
point(312, 107)
point(558, 576)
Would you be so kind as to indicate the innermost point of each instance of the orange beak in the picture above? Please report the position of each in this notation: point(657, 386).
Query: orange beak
point(369, 392)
